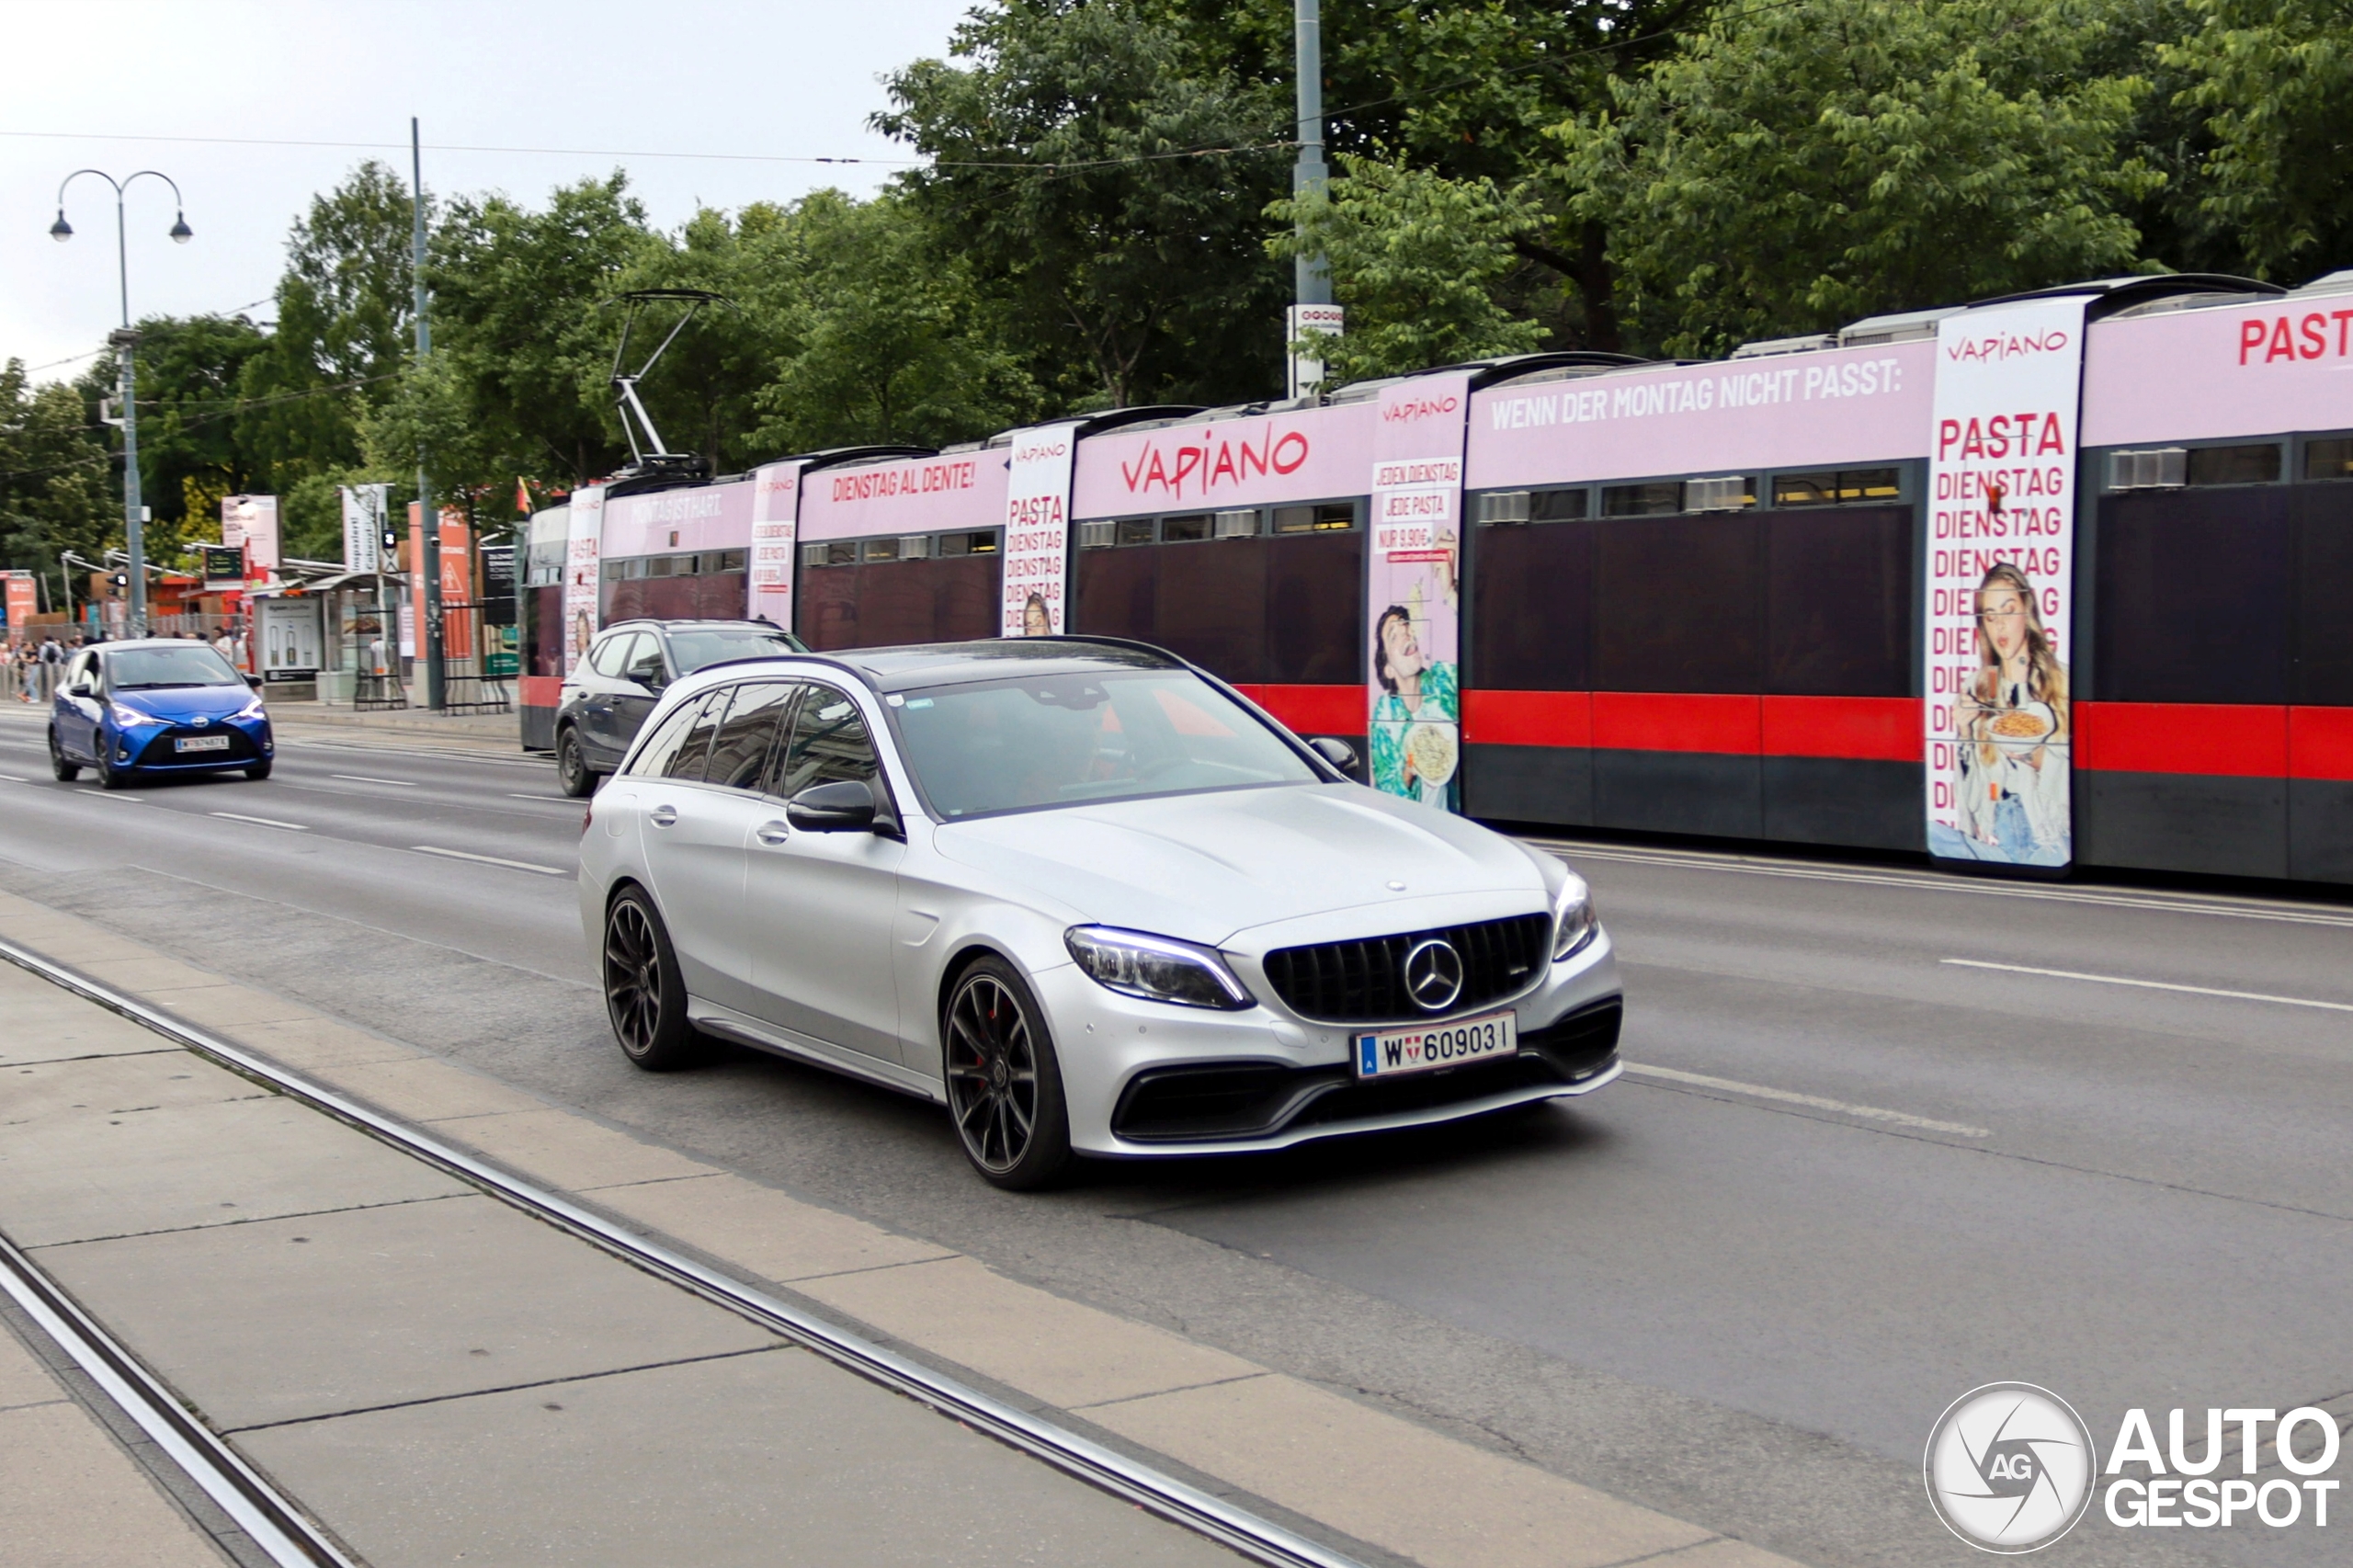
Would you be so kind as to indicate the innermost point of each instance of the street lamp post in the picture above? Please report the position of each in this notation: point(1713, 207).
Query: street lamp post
point(125, 343)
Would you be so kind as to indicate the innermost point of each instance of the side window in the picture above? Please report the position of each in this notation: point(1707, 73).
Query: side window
point(829, 744)
point(658, 757)
point(609, 656)
point(739, 751)
point(645, 663)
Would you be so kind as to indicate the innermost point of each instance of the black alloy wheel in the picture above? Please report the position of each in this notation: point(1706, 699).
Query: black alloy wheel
point(573, 774)
point(257, 771)
point(1005, 1088)
point(644, 993)
point(67, 771)
point(110, 776)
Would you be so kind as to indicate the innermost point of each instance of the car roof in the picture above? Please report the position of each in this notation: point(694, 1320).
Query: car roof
point(121, 644)
point(953, 663)
point(653, 623)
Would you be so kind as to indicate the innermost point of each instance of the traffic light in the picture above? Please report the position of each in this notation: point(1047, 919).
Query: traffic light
point(120, 579)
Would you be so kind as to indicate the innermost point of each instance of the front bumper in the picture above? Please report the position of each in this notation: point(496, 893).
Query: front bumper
point(149, 747)
point(1144, 1080)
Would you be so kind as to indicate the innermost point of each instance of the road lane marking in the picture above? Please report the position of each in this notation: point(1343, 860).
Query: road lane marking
point(11, 778)
point(1692, 860)
point(363, 779)
point(559, 800)
point(263, 822)
point(1816, 1102)
point(126, 800)
point(2153, 984)
point(489, 860)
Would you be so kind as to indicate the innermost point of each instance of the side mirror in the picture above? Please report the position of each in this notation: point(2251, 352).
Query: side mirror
point(84, 686)
point(1336, 752)
point(844, 807)
point(254, 681)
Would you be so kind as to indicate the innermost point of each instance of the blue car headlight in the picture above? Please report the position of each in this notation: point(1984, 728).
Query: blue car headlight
point(130, 718)
point(252, 710)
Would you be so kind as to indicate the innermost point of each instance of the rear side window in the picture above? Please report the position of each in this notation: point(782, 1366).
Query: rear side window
point(610, 657)
point(740, 748)
point(679, 742)
point(830, 744)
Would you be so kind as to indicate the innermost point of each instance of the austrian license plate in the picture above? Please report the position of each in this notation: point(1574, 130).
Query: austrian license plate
point(1392, 1052)
point(201, 743)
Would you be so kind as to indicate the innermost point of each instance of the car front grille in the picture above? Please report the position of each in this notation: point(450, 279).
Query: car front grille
point(1364, 982)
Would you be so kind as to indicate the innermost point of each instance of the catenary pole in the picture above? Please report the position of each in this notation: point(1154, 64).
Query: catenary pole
point(428, 534)
point(1313, 275)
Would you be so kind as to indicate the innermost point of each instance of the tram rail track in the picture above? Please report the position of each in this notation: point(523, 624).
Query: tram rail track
point(291, 1538)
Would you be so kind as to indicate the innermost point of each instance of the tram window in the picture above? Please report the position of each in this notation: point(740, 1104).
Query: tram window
point(1328, 516)
point(1116, 592)
point(2331, 459)
point(2194, 596)
point(1727, 492)
point(982, 543)
point(2257, 464)
point(1838, 602)
point(2323, 520)
point(1186, 529)
point(1838, 487)
point(1212, 608)
point(1641, 500)
point(1676, 606)
point(882, 549)
point(1315, 610)
point(1531, 609)
point(841, 552)
point(1557, 505)
point(1136, 530)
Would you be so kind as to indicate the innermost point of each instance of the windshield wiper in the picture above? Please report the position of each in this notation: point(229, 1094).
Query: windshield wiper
point(163, 684)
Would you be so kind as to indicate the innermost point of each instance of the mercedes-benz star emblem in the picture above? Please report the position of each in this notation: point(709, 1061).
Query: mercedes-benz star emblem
point(1434, 974)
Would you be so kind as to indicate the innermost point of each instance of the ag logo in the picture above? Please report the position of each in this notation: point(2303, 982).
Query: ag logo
point(2009, 1468)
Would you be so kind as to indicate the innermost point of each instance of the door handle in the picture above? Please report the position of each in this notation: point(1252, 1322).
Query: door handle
point(663, 816)
point(772, 833)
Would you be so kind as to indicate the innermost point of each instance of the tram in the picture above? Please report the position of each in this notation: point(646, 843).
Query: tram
point(2056, 579)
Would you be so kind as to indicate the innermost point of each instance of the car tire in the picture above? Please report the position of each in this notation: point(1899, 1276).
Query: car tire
point(109, 776)
point(258, 771)
point(67, 771)
point(646, 995)
point(1005, 1085)
point(573, 774)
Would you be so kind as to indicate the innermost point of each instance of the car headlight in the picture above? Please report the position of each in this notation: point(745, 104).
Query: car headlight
point(1574, 924)
point(1158, 968)
point(252, 710)
point(130, 718)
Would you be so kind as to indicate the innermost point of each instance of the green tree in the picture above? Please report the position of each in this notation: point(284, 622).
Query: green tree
point(890, 340)
point(1791, 168)
point(59, 489)
point(2273, 80)
point(192, 370)
point(1416, 258)
point(1106, 185)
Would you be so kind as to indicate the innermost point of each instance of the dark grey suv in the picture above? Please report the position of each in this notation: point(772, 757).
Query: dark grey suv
point(612, 690)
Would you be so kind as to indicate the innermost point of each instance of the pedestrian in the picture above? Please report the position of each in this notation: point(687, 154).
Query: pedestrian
point(52, 658)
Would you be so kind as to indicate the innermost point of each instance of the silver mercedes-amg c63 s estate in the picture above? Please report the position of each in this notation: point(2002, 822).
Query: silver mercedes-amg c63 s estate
point(1085, 895)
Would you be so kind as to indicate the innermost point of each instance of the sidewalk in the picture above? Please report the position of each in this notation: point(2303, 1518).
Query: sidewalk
point(434, 1374)
point(473, 730)
point(1391, 1490)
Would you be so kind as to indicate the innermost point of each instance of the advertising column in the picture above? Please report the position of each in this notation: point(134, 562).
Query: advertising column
point(1037, 531)
point(583, 543)
point(1414, 587)
point(1999, 582)
point(776, 512)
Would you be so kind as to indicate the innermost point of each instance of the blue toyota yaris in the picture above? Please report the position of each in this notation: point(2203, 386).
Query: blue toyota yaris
point(155, 706)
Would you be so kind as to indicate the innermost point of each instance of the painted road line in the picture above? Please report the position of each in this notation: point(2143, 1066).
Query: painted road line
point(1815, 1102)
point(2153, 984)
point(1693, 860)
point(558, 799)
point(126, 800)
point(490, 860)
point(263, 822)
point(363, 779)
point(11, 778)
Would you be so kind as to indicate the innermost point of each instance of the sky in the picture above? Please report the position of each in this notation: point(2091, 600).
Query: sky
point(703, 103)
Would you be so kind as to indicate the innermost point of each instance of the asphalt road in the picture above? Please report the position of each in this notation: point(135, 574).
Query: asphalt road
point(1865, 1159)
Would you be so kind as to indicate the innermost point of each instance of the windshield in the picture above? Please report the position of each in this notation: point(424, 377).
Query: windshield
point(1061, 740)
point(145, 669)
point(697, 646)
